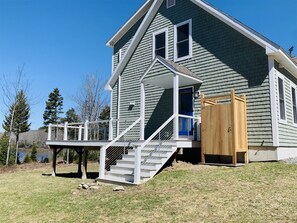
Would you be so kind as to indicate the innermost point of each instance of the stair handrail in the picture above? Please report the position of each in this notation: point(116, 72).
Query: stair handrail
point(157, 131)
point(104, 148)
point(138, 149)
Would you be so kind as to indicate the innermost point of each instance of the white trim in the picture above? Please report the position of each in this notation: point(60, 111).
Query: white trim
point(133, 20)
point(282, 77)
point(275, 136)
point(176, 106)
point(169, 6)
point(169, 68)
point(142, 110)
point(165, 30)
point(176, 59)
point(135, 41)
point(110, 118)
point(119, 105)
point(112, 61)
point(292, 85)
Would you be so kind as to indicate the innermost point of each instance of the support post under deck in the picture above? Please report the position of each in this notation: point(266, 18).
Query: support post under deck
point(85, 164)
point(54, 164)
point(79, 152)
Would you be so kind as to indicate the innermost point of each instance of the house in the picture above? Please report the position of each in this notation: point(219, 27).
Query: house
point(163, 57)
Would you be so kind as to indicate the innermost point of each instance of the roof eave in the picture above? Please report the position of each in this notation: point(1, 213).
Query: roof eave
point(136, 16)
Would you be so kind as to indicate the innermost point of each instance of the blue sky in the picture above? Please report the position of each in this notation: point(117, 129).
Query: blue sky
point(60, 41)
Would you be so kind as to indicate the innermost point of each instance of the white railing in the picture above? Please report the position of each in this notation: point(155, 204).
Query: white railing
point(189, 127)
point(87, 131)
point(112, 152)
point(162, 135)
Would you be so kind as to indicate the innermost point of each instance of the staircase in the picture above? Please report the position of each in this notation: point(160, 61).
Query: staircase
point(153, 158)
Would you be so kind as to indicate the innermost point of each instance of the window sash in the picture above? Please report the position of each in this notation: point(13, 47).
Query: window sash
point(294, 105)
point(160, 44)
point(281, 99)
point(183, 40)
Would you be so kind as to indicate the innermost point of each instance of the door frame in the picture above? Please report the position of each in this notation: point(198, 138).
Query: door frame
point(193, 105)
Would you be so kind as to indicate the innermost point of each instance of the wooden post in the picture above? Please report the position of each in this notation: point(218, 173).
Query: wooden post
point(233, 130)
point(142, 110)
point(79, 152)
point(137, 165)
point(201, 130)
point(246, 155)
point(175, 106)
point(65, 131)
point(86, 131)
point(110, 132)
point(85, 164)
point(79, 132)
point(49, 132)
point(102, 162)
point(54, 162)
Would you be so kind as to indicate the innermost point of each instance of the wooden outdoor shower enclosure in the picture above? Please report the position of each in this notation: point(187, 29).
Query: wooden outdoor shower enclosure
point(224, 126)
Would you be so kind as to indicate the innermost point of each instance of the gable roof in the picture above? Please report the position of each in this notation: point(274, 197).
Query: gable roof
point(272, 49)
point(130, 23)
point(187, 77)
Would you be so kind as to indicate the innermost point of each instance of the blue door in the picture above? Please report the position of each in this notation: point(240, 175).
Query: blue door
point(186, 108)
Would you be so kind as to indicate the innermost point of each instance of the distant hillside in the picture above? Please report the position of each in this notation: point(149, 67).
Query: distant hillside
point(34, 136)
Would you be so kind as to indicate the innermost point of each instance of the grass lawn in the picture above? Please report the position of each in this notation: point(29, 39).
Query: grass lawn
point(258, 192)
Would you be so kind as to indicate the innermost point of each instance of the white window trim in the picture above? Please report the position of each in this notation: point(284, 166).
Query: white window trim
point(190, 40)
point(169, 6)
point(120, 55)
point(281, 76)
point(292, 85)
point(165, 30)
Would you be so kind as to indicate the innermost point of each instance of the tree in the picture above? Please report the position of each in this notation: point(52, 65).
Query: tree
point(10, 92)
point(53, 108)
point(71, 117)
point(33, 155)
point(17, 121)
point(90, 99)
point(105, 114)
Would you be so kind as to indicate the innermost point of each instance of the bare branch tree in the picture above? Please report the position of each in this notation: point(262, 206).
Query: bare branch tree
point(90, 98)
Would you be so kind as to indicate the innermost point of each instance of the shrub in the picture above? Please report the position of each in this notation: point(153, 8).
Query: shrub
point(27, 158)
point(34, 153)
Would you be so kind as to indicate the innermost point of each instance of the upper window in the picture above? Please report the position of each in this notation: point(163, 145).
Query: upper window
point(281, 96)
point(294, 105)
point(160, 43)
point(183, 40)
point(170, 3)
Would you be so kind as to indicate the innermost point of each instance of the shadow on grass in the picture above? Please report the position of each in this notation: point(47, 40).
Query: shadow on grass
point(90, 175)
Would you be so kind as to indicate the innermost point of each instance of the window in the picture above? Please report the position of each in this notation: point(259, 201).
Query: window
point(160, 43)
point(294, 105)
point(281, 96)
point(183, 41)
point(170, 3)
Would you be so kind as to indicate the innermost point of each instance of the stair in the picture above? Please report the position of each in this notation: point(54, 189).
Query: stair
point(153, 159)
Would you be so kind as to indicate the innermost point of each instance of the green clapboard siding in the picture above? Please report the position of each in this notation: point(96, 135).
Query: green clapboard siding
point(222, 58)
point(287, 130)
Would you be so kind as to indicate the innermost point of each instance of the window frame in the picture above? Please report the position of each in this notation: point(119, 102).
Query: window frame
point(281, 77)
point(119, 56)
point(164, 30)
point(169, 6)
point(293, 86)
point(176, 58)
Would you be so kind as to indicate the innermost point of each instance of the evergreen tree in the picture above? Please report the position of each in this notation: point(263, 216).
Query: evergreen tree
point(105, 113)
point(3, 149)
point(53, 108)
point(17, 121)
point(71, 116)
point(33, 156)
